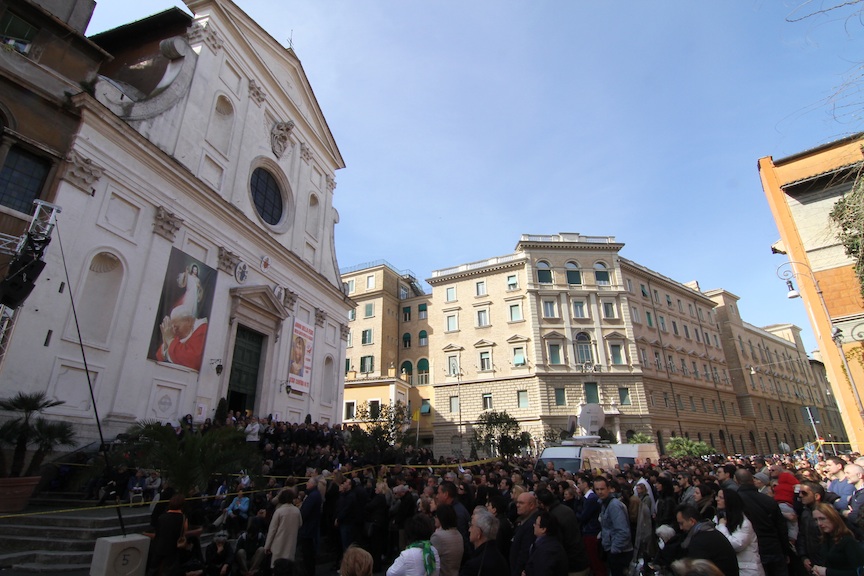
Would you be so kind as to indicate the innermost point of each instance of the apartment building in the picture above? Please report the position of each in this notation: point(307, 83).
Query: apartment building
point(387, 355)
point(537, 333)
point(782, 395)
point(681, 358)
point(564, 321)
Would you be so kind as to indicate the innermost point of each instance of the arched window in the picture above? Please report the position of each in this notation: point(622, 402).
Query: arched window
point(423, 338)
point(574, 275)
point(99, 297)
point(221, 124)
point(406, 340)
point(544, 272)
point(267, 196)
point(423, 371)
point(583, 349)
point(601, 274)
point(407, 370)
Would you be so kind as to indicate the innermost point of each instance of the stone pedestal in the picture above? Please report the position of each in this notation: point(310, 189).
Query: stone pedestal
point(120, 556)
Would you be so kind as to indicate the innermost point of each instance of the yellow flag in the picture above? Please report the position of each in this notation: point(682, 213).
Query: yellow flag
point(416, 415)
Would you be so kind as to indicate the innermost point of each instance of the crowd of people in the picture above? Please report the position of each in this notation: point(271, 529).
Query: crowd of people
point(747, 516)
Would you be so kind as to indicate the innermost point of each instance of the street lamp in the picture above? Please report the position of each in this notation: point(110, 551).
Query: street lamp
point(787, 271)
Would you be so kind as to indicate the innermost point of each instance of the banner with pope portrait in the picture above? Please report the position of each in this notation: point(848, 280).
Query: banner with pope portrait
point(300, 357)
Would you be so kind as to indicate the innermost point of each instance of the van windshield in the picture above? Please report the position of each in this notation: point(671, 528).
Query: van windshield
point(569, 464)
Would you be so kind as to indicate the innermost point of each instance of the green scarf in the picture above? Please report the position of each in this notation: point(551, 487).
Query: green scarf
point(428, 555)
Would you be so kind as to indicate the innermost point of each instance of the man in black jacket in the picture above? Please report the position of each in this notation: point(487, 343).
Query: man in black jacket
point(704, 541)
point(523, 535)
point(487, 558)
point(568, 531)
point(768, 523)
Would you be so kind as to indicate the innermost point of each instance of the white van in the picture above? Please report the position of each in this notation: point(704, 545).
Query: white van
point(575, 456)
point(635, 454)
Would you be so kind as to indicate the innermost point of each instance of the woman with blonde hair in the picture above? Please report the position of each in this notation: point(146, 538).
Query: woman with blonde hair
point(840, 552)
point(356, 562)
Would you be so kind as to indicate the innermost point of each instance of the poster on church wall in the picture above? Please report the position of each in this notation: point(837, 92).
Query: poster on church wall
point(300, 361)
point(180, 328)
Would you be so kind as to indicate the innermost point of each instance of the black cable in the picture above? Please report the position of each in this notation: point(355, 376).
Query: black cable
point(102, 446)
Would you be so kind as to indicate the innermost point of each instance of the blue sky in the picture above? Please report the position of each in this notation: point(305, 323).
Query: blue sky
point(466, 124)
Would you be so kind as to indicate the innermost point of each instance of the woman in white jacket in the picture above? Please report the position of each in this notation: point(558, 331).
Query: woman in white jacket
point(732, 523)
point(420, 558)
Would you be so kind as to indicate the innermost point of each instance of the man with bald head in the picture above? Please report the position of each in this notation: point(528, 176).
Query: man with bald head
point(855, 476)
point(523, 536)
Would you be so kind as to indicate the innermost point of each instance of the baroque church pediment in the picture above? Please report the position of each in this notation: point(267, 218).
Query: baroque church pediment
point(260, 298)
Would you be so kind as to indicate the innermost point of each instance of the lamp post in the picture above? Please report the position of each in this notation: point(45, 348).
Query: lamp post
point(789, 270)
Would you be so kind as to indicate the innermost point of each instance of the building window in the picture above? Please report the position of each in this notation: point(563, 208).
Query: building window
point(684, 370)
point(601, 275)
point(675, 328)
point(695, 371)
point(658, 361)
point(544, 273)
point(515, 312)
point(406, 313)
point(649, 319)
point(656, 296)
point(347, 366)
point(480, 288)
point(16, 33)
point(422, 314)
point(668, 300)
point(350, 410)
point(583, 349)
point(482, 318)
point(485, 361)
point(643, 355)
point(350, 340)
point(403, 292)
point(574, 275)
point(406, 340)
point(661, 321)
point(22, 179)
point(686, 331)
point(423, 338)
point(696, 332)
point(629, 285)
point(452, 324)
point(425, 406)
point(616, 353)
point(680, 401)
point(560, 397)
point(644, 290)
point(451, 294)
point(266, 195)
point(634, 315)
point(370, 281)
point(549, 309)
point(369, 310)
point(554, 354)
point(453, 365)
point(367, 364)
point(608, 309)
point(680, 307)
point(579, 309)
point(591, 392)
point(366, 336)
point(454, 404)
point(487, 401)
point(522, 398)
point(666, 399)
point(349, 286)
point(512, 282)
point(624, 396)
point(519, 356)
point(352, 314)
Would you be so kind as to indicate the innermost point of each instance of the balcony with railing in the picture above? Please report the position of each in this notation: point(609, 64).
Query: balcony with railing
point(495, 261)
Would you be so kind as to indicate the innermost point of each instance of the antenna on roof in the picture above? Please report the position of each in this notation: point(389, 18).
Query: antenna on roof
point(291, 40)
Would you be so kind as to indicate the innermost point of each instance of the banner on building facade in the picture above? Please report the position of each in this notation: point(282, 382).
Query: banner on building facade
point(300, 361)
point(180, 329)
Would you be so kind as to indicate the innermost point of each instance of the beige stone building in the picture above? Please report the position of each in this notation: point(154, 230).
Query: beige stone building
point(564, 321)
point(779, 389)
point(387, 359)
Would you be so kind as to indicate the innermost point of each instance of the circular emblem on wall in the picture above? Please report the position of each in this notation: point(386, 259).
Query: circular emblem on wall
point(265, 263)
point(279, 292)
point(241, 272)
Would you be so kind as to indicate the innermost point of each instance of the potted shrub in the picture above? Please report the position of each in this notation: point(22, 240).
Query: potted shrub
point(24, 431)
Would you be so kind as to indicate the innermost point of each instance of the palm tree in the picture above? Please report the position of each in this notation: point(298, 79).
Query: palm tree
point(29, 428)
point(191, 461)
